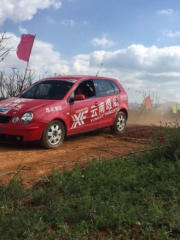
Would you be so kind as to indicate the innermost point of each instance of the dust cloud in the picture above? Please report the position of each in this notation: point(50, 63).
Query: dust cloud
point(151, 117)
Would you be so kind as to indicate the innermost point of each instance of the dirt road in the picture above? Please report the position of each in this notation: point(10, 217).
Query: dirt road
point(79, 148)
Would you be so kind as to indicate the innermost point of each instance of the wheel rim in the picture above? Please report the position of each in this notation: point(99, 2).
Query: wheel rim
point(54, 134)
point(121, 123)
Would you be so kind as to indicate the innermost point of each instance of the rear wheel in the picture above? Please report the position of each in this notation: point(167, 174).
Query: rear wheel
point(53, 135)
point(119, 123)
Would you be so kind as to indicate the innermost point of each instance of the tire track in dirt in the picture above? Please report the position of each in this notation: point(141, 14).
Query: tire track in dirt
point(75, 149)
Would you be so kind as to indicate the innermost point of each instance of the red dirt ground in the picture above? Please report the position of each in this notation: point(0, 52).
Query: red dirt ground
point(75, 149)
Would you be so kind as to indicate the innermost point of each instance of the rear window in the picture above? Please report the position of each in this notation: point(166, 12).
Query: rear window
point(49, 89)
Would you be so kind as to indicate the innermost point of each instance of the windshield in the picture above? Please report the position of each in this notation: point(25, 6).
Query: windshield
point(49, 89)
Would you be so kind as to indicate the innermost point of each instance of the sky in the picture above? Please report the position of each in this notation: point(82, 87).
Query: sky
point(137, 41)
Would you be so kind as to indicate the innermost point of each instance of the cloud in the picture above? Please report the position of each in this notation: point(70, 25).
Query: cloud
point(24, 10)
point(22, 30)
point(170, 34)
point(68, 22)
point(102, 42)
point(50, 20)
point(168, 12)
point(139, 58)
point(137, 66)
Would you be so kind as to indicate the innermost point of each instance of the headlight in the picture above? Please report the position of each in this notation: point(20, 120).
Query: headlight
point(27, 117)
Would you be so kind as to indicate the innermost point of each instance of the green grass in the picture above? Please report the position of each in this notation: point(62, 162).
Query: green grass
point(137, 198)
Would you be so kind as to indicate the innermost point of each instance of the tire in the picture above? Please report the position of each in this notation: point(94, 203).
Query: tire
point(53, 135)
point(119, 123)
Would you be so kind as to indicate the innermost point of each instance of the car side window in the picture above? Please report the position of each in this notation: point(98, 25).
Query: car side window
point(86, 88)
point(104, 87)
point(116, 88)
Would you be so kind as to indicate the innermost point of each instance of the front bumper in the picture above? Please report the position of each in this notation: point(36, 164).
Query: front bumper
point(28, 132)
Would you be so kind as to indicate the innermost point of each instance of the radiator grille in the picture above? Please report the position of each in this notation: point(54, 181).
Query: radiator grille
point(5, 119)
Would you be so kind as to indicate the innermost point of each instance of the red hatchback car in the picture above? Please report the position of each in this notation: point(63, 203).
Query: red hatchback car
point(55, 107)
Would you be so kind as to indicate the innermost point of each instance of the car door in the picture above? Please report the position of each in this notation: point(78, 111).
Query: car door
point(82, 112)
point(108, 103)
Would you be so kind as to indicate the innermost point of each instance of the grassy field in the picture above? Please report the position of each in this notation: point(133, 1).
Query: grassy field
point(135, 198)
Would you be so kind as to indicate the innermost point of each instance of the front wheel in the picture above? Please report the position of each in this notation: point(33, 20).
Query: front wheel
point(53, 135)
point(119, 123)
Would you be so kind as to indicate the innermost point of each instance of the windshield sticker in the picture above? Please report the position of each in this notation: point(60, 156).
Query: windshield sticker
point(4, 110)
point(21, 100)
point(72, 80)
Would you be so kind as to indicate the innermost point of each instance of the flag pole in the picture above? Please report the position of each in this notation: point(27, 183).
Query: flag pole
point(99, 69)
point(28, 60)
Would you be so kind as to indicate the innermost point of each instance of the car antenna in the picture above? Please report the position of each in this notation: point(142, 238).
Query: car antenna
point(99, 69)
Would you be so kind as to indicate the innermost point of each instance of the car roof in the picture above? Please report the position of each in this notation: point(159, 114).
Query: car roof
point(77, 77)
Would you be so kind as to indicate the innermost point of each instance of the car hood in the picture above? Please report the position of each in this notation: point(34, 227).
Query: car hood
point(14, 105)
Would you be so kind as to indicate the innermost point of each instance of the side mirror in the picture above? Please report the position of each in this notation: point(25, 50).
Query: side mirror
point(79, 97)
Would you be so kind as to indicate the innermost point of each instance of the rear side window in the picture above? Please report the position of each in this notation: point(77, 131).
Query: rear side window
point(105, 87)
point(116, 88)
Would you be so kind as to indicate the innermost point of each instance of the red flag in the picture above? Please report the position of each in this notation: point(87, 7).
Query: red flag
point(148, 103)
point(25, 46)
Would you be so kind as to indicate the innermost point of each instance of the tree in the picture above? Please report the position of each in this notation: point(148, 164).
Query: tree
point(14, 83)
point(4, 49)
